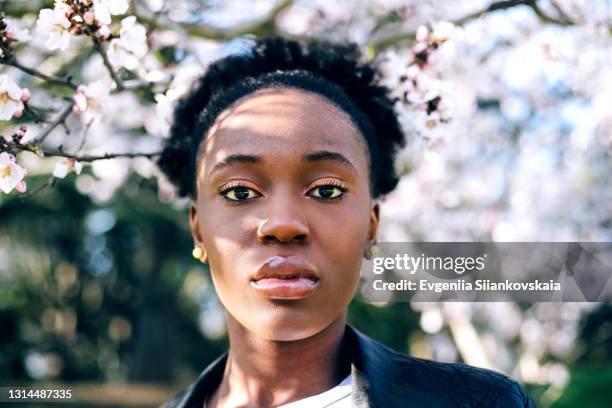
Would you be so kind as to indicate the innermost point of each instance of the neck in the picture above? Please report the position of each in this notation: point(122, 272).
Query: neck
point(261, 372)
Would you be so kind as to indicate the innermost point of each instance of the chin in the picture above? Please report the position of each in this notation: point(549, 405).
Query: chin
point(287, 327)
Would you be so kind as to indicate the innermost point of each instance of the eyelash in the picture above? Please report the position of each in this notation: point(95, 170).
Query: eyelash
point(227, 188)
point(336, 184)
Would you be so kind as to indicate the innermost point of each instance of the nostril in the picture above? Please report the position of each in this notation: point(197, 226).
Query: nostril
point(297, 238)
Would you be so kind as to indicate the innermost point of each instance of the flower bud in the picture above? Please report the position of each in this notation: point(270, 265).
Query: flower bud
point(21, 186)
point(89, 17)
point(25, 94)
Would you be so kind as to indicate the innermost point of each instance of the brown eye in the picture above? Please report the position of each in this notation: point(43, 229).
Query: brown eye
point(239, 193)
point(327, 192)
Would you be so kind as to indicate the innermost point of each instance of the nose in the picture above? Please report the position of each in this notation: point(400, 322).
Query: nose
point(284, 223)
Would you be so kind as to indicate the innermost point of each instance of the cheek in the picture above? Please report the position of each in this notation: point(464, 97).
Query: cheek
point(340, 233)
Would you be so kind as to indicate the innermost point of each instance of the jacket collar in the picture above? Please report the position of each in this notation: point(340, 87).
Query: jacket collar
point(370, 364)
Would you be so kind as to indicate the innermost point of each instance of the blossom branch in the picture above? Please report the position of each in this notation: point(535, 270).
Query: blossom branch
point(136, 85)
point(546, 18)
point(32, 148)
point(265, 26)
point(100, 49)
point(562, 12)
point(34, 72)
point(382, 42)
point(154, 19)
point(35, 113)
point(56, 122)
point(49, 183)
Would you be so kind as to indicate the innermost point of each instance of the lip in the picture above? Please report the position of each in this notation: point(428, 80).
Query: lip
point(285, 277)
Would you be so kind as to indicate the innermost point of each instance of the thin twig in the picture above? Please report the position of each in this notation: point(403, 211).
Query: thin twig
point(33, 112)
point(264, 26)
point(562, 12)
point(138, 84)
point(100, 49)
point(59, 119)
point(383, 42)
point(49, 183)
point(500, 5)
point(30, 147)
point(83, 136)
point(545, 17)
point(34, 72)
point(152, 24)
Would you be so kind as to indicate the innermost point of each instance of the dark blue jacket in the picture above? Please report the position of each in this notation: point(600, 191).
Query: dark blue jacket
point(385, 378)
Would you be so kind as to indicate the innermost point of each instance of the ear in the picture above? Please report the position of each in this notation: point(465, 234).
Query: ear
point(195, 228)
point(372, 229)
point(374, 218)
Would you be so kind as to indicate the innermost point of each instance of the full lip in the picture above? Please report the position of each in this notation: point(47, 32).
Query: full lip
point(285, 277)
point(281, 266)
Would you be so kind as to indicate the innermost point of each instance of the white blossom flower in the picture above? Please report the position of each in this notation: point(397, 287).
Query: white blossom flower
point(14, 32)
point(63, 167)
point(133, 36)
point(54, 24)
point(103, 9)
point(90, 100)
point(130, 46)
point(103, 32)
point(422, 33)
point(89, 17)
point(60, 170)
point(10, 98)
point(441, 31)
point(11, 174)
point(120, 57)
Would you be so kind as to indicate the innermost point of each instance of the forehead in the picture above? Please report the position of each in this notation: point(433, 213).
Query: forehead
point(276, 122)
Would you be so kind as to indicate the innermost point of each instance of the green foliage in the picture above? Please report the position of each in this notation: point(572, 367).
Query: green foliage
point(98, 287)
point(391, 324)
point(589, 387)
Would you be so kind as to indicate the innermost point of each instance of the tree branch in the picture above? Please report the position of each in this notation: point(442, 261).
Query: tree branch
point(49, 183)
point(383, 42)
point(50, 79)
point(562, 12)
point(30, 147)
point(100, 49)
point(262, 27)
point(60, 119)
point(546, 18)
point(137, 84)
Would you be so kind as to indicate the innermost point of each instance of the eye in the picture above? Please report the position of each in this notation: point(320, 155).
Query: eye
point(328, 191)
point(238, 193)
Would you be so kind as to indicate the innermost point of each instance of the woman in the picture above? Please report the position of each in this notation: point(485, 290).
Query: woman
point(284, 151)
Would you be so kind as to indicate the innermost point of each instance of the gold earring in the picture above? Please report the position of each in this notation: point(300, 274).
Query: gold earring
point(374, 250)
point(371, 251)
point(198, 253)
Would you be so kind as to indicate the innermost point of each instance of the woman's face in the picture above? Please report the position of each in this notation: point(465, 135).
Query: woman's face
point(284, 211)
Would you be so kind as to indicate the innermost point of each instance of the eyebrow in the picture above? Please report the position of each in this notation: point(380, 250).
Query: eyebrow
point(324, 155)
point(314, 157)
point(234, 159)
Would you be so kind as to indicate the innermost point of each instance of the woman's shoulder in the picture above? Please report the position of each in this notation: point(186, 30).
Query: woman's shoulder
point(391, 375)
point(467, 385)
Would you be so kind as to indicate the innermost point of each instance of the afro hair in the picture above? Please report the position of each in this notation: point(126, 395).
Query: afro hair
point(331, 70)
